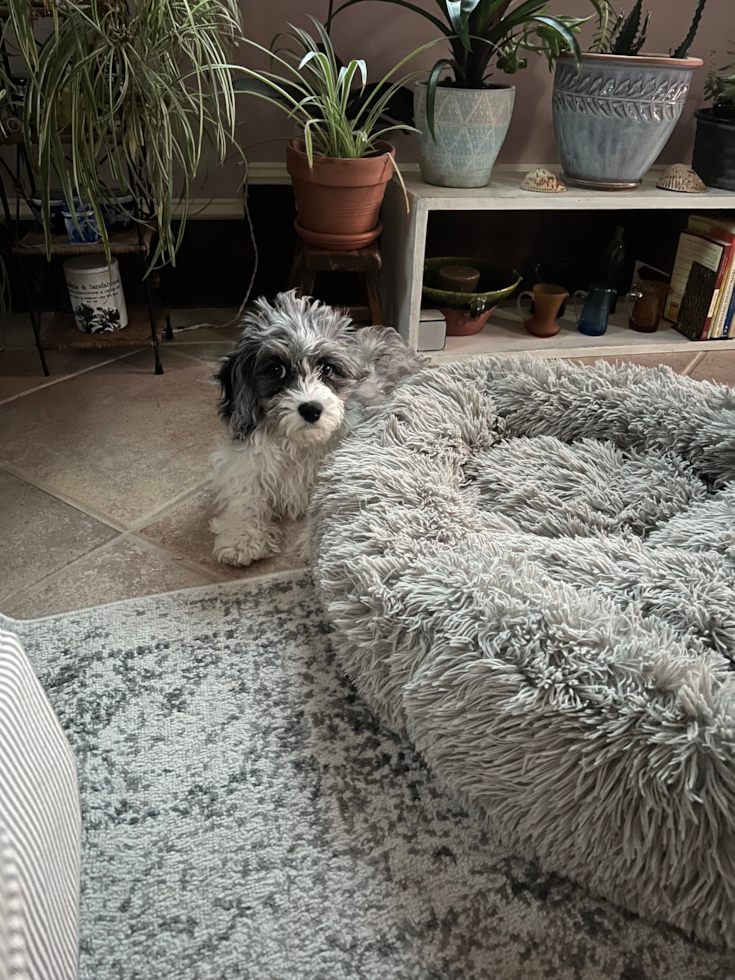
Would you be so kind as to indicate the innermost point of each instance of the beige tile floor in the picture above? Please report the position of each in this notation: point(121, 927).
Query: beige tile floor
point(103, 468)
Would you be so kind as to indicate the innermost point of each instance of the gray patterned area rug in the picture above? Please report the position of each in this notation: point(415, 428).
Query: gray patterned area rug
point(246, 818)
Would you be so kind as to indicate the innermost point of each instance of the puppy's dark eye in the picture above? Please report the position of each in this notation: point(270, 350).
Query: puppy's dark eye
point(277, 371)
point(327, 370)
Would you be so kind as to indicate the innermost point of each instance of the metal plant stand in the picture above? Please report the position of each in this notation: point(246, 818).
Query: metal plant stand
point(145, 323)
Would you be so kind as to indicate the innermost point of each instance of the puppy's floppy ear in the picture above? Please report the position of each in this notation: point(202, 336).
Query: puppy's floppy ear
point(238, 405)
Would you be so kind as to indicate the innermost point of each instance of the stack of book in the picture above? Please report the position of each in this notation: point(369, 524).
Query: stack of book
point(702, 306)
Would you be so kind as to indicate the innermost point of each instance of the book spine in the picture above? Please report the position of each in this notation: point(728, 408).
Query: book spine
point(710, 226)
point(723, 307)
point(724, 265)
point(729, 317)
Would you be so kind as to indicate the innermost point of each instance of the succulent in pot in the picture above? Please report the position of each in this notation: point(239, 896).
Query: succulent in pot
point(614, 115)
point(720, 87)
point(463, 120)
point(341, 165)
point(714, 143)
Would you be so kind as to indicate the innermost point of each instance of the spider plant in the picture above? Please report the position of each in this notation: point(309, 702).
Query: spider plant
point(340, 114)
point(131, 89)
point(618, 34)
point(479, 31)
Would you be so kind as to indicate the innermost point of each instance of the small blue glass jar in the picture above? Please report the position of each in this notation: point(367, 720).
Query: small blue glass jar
point(596, 309)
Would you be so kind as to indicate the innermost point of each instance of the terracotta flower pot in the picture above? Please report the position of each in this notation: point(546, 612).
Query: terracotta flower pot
point(339, 200)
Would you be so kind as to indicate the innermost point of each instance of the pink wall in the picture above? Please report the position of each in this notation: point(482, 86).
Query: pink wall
point(383, 33)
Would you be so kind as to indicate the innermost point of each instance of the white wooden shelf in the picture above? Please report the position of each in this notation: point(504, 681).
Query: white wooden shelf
point(504, 335)
point(504, 193)
point(403, 246)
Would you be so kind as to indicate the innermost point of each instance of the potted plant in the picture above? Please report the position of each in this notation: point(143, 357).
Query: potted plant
point(613, 116)
point(121, 98)
point(340, 165)
point(714, 143)
point(463, 120)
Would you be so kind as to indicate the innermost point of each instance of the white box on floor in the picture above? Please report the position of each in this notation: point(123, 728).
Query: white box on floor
point(432, 330)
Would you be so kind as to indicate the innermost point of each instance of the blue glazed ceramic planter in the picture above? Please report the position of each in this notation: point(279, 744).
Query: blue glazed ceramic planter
point(81, 223)
point(470, 126)
point(56, 204)
point(613, 118)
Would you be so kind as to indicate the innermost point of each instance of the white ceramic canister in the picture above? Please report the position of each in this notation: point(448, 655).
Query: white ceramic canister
point(96, 294)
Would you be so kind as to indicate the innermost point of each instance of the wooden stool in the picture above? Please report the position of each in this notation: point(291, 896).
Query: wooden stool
point(366, 262)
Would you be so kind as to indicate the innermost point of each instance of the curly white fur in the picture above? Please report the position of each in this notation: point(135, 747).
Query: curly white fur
point(296, 383)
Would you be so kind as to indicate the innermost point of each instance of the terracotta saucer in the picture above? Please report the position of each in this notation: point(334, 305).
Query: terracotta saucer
point(338, 242)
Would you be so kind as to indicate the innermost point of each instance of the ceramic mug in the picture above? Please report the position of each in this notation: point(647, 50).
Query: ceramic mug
point(548, 299)
point(596, 309)
point(649, 299)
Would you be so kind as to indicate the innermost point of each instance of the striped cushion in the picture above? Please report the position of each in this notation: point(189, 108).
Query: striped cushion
point(40, 825)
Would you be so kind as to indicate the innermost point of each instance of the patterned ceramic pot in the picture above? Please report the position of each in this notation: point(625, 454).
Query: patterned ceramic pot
point(613, 118)
point(470, 126)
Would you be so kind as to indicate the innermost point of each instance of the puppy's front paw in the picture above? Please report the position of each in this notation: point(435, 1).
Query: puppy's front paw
point(242, 552)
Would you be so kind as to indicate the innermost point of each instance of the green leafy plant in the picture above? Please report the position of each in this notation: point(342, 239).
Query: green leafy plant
point(127, 93)
point(626, 35)
point(480, 31)
point(720, 87)
point(720, 84)
point(608, 23)
point(685, 47)
point(630, 34)
point(340, 114)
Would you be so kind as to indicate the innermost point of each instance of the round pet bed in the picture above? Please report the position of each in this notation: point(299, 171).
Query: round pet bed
point(529, 568)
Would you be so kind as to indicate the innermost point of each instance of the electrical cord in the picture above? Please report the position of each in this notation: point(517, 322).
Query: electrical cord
point(236, 318)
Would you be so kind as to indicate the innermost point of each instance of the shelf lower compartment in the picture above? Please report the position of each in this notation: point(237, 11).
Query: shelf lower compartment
point(504, 335)
point(63, 332)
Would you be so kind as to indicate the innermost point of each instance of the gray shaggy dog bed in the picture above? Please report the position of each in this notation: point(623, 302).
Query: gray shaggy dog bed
point(529, 569)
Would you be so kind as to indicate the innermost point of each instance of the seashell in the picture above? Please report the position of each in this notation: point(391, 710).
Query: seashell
point(543, 182)
point(681, 178)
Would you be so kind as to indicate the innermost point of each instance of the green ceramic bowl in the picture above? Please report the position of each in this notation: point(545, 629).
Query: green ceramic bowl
point(496, 283)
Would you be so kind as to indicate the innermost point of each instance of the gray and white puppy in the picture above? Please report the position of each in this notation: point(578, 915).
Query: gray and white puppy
point(298, 379)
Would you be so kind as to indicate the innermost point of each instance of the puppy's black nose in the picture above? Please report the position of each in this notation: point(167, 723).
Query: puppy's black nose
point(311, 411)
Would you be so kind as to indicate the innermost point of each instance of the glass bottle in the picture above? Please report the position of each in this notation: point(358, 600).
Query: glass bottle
point(613, 264)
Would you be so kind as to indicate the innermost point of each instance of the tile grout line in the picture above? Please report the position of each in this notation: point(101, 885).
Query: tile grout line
point(69, 501)
point(200, 359)
point(141, 522)
point(179, 557)
point(699, 356)
point(45, 578)
point(33, 589)
point(166, 508)
point(49, 383)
